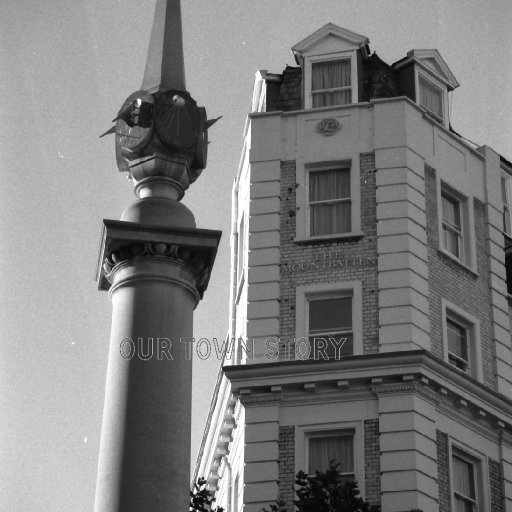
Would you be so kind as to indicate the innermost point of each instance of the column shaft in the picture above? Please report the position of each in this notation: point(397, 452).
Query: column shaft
point(144, 461)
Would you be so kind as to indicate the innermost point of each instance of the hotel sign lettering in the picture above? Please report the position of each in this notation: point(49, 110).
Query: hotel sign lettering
point(328, 260)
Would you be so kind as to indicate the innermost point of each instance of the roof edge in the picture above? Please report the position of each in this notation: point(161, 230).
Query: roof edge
point(326, 30)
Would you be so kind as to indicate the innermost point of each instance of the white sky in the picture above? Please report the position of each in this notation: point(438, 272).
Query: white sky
point(66, 66)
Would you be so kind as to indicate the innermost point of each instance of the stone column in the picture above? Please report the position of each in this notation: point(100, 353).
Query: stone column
point(156, 265)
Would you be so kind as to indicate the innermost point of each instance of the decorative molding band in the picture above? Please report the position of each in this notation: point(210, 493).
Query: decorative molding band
point(260, 398)
point(144, 182)
point(146, 276)
point(408, 387)
point(484, 426)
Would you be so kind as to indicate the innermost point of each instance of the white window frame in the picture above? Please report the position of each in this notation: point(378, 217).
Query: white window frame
point(467, 251)
point(303, 432)
point(457, 231)
point(308, 75)
point(327, 335)
point(343, 167)
point(304, 293)
point(472, 326)
point(303, 226)
point(481, 470)
point(420, 74)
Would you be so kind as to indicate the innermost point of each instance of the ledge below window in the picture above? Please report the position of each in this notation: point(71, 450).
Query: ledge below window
point(345, 237)
point(448, 256)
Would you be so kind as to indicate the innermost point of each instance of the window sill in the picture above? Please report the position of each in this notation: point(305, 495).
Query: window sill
point(348, 237)
point(431, 115)
point(476, 377)
point(461, 264)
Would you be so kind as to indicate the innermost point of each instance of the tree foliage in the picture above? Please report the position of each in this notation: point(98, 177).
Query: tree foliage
point(323, 492)
point(329, 492)
point(201, 499)
point(326, 492)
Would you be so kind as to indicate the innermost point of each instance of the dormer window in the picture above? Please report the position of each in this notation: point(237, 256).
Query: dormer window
point(331, 83)
point(425, 78)
point(330, 59)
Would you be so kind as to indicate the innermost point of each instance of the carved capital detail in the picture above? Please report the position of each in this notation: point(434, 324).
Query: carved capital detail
point(161, 250)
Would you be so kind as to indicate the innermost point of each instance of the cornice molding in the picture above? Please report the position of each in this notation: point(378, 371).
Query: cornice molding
point(408, 387)
point(249, 399)
point(400, 372)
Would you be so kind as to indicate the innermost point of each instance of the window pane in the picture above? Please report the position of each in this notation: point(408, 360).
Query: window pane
point(451, 224)
point(463, 477)
point(339, 448)
point(330, 315)
point(331, 74)
point(504, 190)
point(431, 97)
point(325, 185)
point(330, 328)
point(457, 339)
point(451, 212)
point(506, 221)
point(335, 215)
point(321, 219)
point(342, 219)
point(331, 346)
point(329, 99)
point(451, 241)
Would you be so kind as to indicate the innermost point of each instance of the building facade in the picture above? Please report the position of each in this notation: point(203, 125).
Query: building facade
point(370, 307)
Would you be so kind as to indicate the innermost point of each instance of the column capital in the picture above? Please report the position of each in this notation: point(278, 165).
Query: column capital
point(123, 241)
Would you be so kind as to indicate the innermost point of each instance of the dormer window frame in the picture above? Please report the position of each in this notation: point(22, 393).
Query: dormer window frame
point(309, 60)
point(423, 75)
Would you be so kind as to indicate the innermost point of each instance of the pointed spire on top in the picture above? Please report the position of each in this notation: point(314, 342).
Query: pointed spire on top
point(165, 67)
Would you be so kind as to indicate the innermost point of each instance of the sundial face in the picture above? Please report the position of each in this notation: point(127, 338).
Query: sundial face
point(177, 120)
point(134, 125)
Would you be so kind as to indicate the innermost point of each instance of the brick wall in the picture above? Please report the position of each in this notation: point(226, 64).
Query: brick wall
point(372, 461)
point(455, 283)
point(495, 484)
point(364, 247)
point(287, 465)
point(443, 473)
